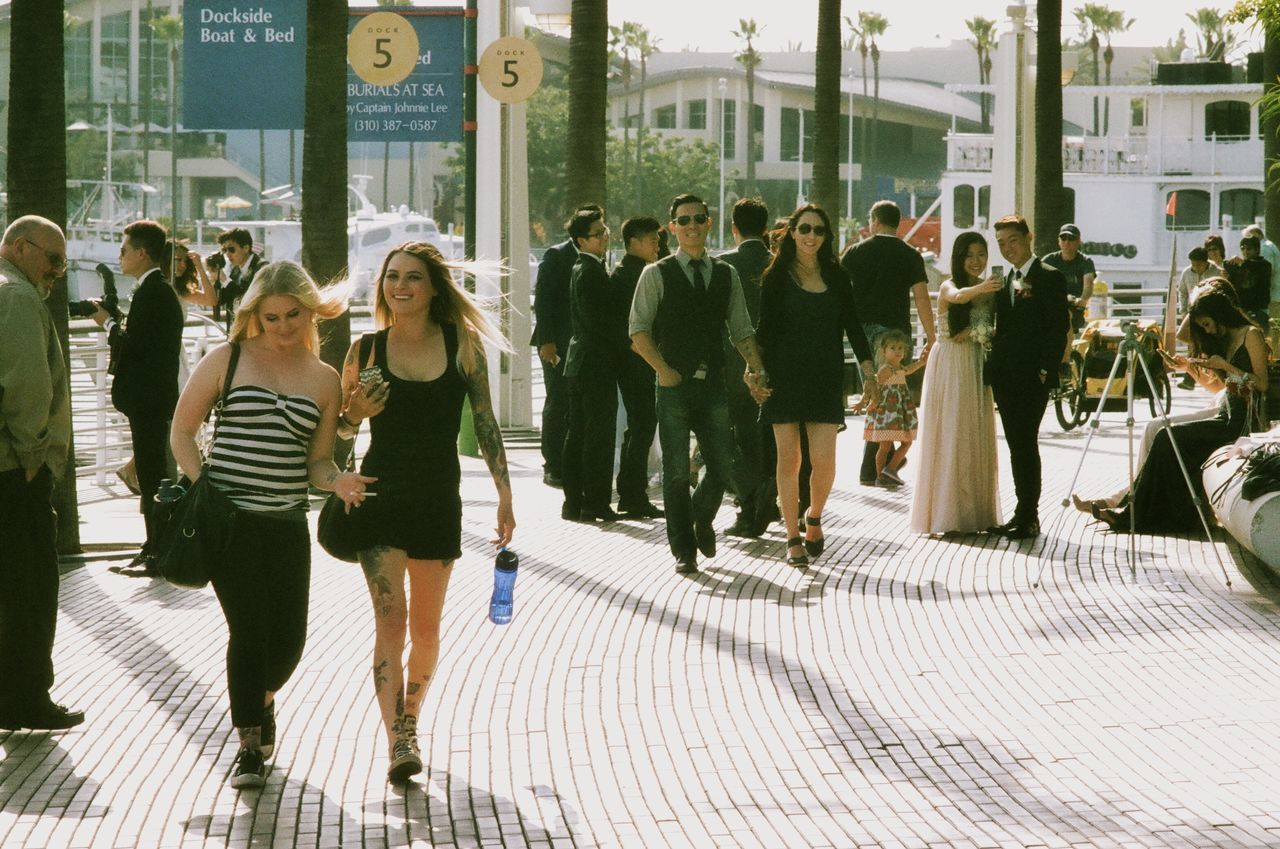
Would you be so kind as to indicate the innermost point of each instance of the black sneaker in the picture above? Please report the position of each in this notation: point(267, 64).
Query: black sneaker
point(268, 744)
point(47, 717)
point(250, 769)
point(405, 761)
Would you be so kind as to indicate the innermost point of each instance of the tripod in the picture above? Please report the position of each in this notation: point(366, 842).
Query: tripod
point(1131, 351)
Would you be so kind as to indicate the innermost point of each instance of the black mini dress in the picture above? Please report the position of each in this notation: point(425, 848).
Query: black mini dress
point(413, 452)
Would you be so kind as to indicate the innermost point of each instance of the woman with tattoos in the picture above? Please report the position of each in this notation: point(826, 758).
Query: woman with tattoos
point(274, 437)
point(427, 356)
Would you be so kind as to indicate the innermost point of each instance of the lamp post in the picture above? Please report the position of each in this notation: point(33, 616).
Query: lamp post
point(724, 87)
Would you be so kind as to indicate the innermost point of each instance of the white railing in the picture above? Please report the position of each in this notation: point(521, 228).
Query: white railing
point(1165, 155)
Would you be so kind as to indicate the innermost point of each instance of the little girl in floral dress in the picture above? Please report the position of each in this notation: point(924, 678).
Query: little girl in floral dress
point(893, 418)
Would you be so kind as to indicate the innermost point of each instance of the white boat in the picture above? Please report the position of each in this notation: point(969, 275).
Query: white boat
point(1180, 162)
point(95, 238)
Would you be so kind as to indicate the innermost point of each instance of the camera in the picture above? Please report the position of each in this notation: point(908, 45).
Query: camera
point(215, 262)
point(110, 297)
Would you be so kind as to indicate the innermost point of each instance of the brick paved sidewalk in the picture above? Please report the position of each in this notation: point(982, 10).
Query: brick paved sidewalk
point(905, 692)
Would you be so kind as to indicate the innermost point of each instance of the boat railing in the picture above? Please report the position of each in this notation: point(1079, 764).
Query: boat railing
point(1138, 154)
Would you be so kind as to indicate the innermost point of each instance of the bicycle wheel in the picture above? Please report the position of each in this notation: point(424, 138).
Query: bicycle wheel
point(1068, 401)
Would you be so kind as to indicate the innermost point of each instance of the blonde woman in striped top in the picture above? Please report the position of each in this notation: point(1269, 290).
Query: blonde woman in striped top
point(275, 437)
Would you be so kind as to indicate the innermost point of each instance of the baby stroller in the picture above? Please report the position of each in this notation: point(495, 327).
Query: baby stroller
point(1092, 355)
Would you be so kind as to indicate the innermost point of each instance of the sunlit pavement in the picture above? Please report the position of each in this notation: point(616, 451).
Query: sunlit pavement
point(903, 692)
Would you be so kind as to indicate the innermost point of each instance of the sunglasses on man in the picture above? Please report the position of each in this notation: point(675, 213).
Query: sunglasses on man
point(816, 229)
point(683, 220)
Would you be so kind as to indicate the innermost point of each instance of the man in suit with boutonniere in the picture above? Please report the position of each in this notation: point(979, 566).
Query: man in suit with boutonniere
point(1022, 368)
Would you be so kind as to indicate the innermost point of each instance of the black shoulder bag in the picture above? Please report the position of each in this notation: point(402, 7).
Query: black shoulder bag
point(334, 529)
point(199, 522)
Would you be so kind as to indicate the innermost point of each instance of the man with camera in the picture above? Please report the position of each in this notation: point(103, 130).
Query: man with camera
point(241, 264)
point(35, 433)
point(147, 345)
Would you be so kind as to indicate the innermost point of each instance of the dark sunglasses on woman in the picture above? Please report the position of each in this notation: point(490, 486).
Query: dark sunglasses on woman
point(817, 230)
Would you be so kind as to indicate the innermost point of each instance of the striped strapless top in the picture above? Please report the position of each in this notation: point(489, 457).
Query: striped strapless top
point(259, 457)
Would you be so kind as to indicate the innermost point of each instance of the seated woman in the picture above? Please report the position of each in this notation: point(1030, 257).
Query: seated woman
point(1223, 340)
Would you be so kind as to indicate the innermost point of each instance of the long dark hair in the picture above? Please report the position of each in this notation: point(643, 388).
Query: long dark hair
point(185, 283)
point(785, 247)
point(1215, 303)
point(958, 314)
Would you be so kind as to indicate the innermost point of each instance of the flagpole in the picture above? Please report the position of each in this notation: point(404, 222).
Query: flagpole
point(1171, 301)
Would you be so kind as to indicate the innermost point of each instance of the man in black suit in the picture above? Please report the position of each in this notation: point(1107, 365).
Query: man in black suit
point(750, 257)
point(552, 330)
point(242, 263)
point(1030, 335)
point(640, 236)
point(591, 369)
point(147, 345)
point(887, 275)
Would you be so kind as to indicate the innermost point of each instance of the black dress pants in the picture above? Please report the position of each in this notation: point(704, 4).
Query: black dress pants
point(150, 437)
point(1022, 405)
point(588, 445)
point(748, 452)
point(636, 382)
point(263, 584)
point(28, 588)
point(555, 417)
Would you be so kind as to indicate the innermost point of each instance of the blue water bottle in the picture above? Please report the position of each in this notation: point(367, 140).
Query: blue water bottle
point(504, 581)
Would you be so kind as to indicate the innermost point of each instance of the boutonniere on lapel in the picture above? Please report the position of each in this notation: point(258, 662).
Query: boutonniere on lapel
point(1022, 289)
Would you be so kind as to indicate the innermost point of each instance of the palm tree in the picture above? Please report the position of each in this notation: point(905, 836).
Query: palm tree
point(1113, 22)
point(873, 24)
point(1050, 197)
point(1092, 17)
point(169, 30)
point(324, 162)
point(826, 103)
point(983, 31)
point(588, 101)
point(645, 45)
point(621, 44)
point(1213, 37)
point(749, 58)
point(858, 36)
point(37, 173)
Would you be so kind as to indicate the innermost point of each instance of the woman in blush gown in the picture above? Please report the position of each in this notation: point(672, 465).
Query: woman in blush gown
point(956, 485)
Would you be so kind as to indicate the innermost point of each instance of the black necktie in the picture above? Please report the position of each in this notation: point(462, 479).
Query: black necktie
point(695, 265)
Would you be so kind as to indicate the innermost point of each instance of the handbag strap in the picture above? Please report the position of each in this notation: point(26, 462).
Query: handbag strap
point(226, 389)
point(366, 355)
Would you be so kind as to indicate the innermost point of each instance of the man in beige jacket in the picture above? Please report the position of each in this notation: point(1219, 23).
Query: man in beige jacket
point(35, 431)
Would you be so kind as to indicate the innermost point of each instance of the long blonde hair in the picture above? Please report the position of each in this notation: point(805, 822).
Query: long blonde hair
point(450, 304)
point(291, 280)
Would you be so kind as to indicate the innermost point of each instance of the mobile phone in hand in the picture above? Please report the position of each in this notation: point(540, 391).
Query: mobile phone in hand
point(997, 271)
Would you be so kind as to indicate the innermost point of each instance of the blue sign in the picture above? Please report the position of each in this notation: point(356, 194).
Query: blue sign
point(244, 64)
point(427, 104)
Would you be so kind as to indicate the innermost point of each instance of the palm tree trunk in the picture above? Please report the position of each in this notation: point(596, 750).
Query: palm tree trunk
point(324, 162)
point(1271, 136)
point(825, 190)
point(1093, 47)
point(751, 131)
point(866, 168)
point(588, 92)
point(37, 177)
point(1107, 57)
point(1049, 215)
point(873, 153)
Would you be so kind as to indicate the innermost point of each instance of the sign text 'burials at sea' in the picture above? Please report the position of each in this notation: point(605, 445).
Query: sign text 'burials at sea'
point(244, 64)
point(244, 68)
point(424, 105)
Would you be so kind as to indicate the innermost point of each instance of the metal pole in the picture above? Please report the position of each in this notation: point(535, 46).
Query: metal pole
point(469, 131)
point(724, 85)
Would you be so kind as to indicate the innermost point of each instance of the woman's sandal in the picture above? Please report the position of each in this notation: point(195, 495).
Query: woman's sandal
point(1093, 508)
point(799, 561)
point(814, 546)
point(1117, 521)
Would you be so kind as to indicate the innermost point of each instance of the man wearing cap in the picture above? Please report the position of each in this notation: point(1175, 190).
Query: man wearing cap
point(1079, 272)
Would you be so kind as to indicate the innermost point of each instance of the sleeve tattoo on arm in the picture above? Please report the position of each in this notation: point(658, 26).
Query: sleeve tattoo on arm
point(488, 434)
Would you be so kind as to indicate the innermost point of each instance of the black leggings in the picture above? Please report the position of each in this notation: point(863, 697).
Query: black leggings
point(263, 585)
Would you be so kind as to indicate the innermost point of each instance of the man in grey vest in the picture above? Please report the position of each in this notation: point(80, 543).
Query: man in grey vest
point(681, 304)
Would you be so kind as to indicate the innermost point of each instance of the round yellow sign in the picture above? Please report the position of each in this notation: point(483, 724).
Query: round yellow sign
point(383, 48)
point(511, 69)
